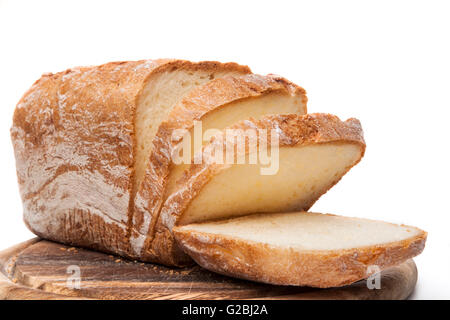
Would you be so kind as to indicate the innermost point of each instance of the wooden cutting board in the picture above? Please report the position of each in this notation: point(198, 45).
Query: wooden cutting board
point(39, 269)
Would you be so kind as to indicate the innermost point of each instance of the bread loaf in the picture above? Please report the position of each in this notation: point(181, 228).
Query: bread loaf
point(302, 249)
point(95, 151)
point(79, 136)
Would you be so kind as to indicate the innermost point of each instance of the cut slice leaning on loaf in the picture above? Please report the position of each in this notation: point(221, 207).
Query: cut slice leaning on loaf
point(303, 249)
point(213, 106)
point(315, 151)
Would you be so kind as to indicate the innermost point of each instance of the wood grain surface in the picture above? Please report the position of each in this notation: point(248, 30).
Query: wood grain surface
point(40, 269)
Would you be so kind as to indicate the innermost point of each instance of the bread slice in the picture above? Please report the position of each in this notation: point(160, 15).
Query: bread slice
point(315, 151)
point(79, 138)
point(216, 105)
point(299, 248)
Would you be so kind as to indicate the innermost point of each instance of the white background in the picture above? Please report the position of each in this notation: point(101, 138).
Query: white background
point(384, 62)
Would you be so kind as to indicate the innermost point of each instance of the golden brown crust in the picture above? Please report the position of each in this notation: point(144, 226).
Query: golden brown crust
point(72, 133)
point(287, 266)
point(293, 130)
point(197, 104)
point(73, 137)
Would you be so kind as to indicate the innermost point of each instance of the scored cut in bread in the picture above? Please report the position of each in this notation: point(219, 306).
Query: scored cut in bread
point(79, 139)
point(315, 151)
point(216, 105)
point(299, 248)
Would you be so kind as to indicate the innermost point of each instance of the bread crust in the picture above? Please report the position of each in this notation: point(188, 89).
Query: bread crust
point(287, 266)
point(74, 141)
point(197, 104)
point(293, 130)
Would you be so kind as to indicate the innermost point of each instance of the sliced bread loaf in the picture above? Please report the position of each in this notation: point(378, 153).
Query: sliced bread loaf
point(303, 249)
point(315, 151)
